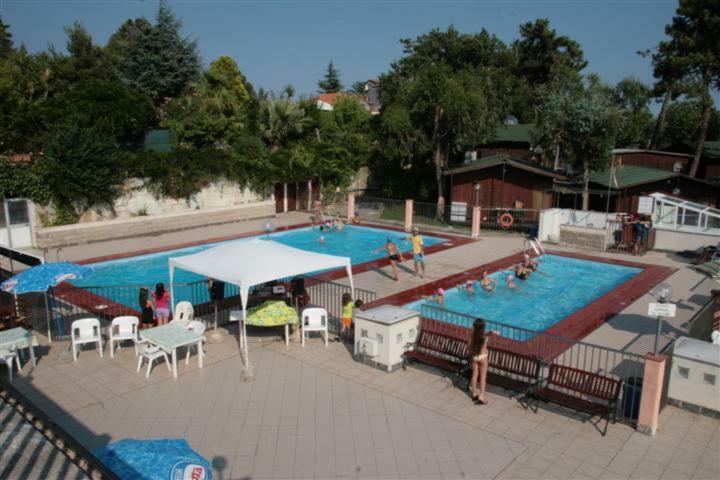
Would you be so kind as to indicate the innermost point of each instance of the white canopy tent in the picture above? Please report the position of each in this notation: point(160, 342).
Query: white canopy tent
point(255, 262)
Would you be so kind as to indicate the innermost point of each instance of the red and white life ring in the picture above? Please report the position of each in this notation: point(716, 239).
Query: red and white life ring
point(506, 220)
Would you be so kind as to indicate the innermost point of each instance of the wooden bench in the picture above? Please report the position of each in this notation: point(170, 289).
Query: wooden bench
point(582, 391)
point(439, 349)
point(513, 371)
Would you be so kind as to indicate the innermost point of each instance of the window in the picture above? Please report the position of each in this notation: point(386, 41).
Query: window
point(18, 210)
point(684, 372)
point(411, 334)
point(708, 379)
point(379, 338)
point(399, 337)
point(363, 333)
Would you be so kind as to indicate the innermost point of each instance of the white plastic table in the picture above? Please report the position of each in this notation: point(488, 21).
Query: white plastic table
point(19, 338)
point(171, 337)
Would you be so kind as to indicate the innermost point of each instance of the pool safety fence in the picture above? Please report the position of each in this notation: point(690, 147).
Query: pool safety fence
point(518, 221)
point(70, 303)
point(552, 349)
point(380, 210)
point(454, 218)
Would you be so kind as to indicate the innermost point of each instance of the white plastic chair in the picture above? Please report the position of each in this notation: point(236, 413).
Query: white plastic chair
point(121, 329)
point(151, 353)
point(86, 330)
point(7, 356)
point(184, 313)
point(198, 328)
point(314, 320)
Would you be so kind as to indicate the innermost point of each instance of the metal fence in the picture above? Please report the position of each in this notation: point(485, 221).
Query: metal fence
point(68, 303)
point(381, 210)
point(624, 366)
point(453, 218)
point(522, 221)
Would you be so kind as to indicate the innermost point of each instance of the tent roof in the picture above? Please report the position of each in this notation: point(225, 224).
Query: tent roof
point(256, 261)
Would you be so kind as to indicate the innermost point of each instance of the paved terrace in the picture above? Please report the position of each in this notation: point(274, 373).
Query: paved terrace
point(314, 412)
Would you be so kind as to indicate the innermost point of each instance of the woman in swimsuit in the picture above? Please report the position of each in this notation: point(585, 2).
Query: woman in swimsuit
point(521, 272)
point(478, 349)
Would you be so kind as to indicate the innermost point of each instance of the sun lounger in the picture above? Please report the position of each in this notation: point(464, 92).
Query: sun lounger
point(712, 268)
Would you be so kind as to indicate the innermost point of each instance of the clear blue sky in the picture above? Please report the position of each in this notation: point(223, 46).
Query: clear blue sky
point(280, 42)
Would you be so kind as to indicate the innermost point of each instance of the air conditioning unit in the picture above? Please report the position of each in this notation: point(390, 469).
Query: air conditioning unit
point(368, 346)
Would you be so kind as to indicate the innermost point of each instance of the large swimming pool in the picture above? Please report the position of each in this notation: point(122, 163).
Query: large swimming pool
point(559, 288)
point(361, 244)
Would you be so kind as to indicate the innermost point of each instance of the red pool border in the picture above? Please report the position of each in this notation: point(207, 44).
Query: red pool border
point(451, 241)
point(576, 325)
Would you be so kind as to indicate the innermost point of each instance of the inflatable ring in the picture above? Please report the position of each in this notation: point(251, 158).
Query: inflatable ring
point(506, 220)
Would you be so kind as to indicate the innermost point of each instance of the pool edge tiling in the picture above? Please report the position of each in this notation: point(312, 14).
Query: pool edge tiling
point(575, 326)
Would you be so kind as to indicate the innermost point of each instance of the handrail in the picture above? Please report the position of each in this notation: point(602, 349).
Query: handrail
point(82, 453)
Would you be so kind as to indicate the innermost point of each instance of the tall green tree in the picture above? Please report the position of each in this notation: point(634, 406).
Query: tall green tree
point(156, 60)
point(547, 62)
point(446, 82)
point(586, 126)
point(632, 97)
point(683, 122)
point(695, 44)
point(281, 120)
point(358, 88)
point(331, 82)
point(6, 43)
point(84, 61)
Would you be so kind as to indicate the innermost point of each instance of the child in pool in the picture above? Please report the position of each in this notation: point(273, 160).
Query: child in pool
point(488, 284)
point(510, 281)
point(469, 287)
point(438, 296)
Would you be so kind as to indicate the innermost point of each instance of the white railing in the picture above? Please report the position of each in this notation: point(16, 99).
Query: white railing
point(673, 213)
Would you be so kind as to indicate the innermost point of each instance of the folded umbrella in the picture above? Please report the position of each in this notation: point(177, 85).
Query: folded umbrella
point(165, 459)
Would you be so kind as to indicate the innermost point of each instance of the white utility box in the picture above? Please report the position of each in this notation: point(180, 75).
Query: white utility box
point(382, 333)
point(695, 375)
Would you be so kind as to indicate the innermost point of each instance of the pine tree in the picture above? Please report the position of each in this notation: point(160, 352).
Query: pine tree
point(331, 82)
point(6, 43)
point(156, 60)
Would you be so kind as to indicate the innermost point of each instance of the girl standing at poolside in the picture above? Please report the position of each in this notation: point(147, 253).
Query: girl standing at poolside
point(161, 302)
point(347, 317)
point(478, 349)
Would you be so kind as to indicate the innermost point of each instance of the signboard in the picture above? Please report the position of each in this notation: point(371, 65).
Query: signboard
point(666, 310)
point(645, 205)
point(458, 212)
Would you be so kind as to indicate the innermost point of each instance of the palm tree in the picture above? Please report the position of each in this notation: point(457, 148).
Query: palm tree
point(281, 119)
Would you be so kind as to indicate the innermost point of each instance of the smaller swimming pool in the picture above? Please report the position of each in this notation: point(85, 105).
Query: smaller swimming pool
point(561, 287)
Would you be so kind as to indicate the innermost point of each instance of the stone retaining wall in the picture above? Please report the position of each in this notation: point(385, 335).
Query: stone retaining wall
point(82, 233)
point(583, 237)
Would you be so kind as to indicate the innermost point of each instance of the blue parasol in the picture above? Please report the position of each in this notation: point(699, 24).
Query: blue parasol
point(154, 460)
point(45, 276)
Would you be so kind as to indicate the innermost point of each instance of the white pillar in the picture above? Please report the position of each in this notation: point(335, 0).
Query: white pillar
point(285, 206)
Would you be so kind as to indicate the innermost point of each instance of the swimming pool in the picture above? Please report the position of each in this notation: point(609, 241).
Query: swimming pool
point(559, 288)
point(361, 244)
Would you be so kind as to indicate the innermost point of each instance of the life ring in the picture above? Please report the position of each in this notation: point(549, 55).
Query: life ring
point(506, 220)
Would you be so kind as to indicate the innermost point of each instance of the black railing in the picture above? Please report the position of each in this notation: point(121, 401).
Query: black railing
point(70, 303)
point(624, 366)
point(522, 221)
point(454, 218)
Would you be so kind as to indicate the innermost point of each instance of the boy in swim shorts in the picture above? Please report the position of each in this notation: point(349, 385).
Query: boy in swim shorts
point(418, 251)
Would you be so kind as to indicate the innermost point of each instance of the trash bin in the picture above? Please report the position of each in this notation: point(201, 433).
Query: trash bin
point(632, 391)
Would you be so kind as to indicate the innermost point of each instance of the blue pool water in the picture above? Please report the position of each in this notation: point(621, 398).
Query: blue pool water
point(358, 243)
point(561, 287)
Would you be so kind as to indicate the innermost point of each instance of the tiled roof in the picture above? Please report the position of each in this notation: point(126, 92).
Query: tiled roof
point(630, 175)
point(499, 159)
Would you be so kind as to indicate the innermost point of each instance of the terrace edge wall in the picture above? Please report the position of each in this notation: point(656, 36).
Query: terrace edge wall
point(81, 233)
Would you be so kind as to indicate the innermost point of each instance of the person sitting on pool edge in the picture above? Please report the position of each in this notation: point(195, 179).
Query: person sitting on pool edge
point(438, 296)
point(394, 254)
point(355, 220)
point(488, 284)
